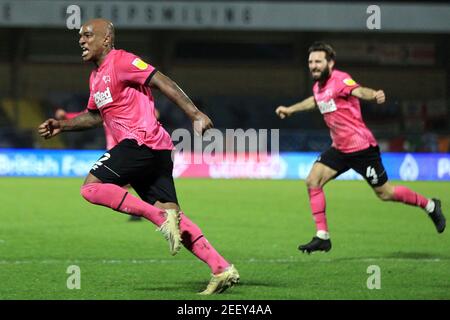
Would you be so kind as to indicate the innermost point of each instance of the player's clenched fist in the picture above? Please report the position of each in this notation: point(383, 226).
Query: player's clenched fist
point(380, 97)
point(201, 123)
point(282, 112)
point(49, 128)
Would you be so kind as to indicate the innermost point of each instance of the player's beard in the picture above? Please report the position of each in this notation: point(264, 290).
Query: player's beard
point(323, 75)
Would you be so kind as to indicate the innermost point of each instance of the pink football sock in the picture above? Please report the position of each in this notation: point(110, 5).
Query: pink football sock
point(193, 239)
point(405, 195)
point(117, 198)
point(318, 205)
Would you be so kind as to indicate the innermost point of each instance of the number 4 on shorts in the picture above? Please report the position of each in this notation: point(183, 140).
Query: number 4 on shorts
point(371, 173)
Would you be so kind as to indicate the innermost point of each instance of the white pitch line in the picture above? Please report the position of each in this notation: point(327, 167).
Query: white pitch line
point(176, 261)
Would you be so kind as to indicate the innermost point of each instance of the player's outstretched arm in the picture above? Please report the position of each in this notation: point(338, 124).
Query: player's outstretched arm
point(307, 104)
point(369, 94)
point(51, 127)
point(171, 90)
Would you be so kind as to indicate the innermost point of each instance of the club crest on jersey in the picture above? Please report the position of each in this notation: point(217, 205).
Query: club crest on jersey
point(102, 98)
point(106, 79)
point(138, 63)
point(328, 92)
point(327, 106)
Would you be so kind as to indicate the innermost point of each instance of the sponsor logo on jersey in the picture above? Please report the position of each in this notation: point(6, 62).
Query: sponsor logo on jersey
point(138, 63)
point(102, 98)
point(327, 106)
point(349, 82)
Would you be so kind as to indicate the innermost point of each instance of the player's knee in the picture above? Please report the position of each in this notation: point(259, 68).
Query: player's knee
point(88, 192)
point(312, 182)
point(384, 195)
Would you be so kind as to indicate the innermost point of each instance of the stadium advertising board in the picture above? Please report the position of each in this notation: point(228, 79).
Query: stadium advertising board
point(295, 165)
point(250, 15)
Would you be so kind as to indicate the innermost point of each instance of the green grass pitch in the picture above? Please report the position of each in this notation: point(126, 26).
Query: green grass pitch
point(45, 226)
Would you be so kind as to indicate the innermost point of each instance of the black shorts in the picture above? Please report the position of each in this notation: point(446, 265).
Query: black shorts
point(366, 162)
point(148, 171)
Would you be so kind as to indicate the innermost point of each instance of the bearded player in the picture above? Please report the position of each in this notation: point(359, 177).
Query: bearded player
point(337, 95)
point(121, 98)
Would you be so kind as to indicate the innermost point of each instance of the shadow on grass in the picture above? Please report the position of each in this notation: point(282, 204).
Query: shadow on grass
point(390, 256)
point(180, 286)
point(267, 284)
point(416, 256)
point(195, 287)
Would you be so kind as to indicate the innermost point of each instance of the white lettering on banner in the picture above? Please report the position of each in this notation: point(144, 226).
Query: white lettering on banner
point(273, 168)
point(227, 165)
point(28, 165)
point(327, 107)
point(409, 169)
point(102, 98)
point(75, 166)
point(172, 14)
point(443, 168)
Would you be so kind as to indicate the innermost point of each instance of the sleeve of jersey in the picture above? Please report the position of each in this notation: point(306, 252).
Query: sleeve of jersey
point(132, 69)
point(346, 86)
point(71, 115)
point(92, 107)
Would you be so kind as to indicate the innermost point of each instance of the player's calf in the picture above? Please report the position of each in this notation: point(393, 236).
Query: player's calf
point(385, 192)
